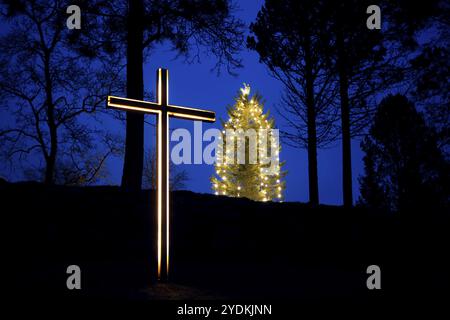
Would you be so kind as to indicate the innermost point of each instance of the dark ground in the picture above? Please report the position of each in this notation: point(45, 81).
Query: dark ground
point(223, 248)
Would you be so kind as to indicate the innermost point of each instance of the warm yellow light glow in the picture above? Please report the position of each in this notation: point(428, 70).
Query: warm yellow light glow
point(246, 90)
point(121, 106)
point(129, 99)
point(189, 116)
point(159, 191)
point(161, 110)
point(186, 108)
point(167, 197)
point(159, 86)
point(167, 87)
point(159, 138)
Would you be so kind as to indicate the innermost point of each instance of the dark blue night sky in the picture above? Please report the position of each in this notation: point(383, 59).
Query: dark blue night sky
point(197, 86)
point(77, 231)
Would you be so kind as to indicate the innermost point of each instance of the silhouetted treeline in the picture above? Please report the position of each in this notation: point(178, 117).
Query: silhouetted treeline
point(52, 76)
point(334, 68)
point(404, 168)
point(134, 27)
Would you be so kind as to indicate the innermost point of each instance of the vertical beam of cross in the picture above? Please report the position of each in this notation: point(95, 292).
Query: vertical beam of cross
point(163, 175)
point(163, 110)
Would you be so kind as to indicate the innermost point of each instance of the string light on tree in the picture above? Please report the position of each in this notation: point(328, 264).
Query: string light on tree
point(256, 180)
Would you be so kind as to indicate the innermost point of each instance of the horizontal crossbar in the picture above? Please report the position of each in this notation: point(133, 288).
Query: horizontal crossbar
point(152, 107)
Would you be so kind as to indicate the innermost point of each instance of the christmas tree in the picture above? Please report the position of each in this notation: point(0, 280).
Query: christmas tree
point(254, 170)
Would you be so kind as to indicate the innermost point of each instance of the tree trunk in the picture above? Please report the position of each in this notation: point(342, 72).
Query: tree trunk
point(345, 123)
point(134, 141)
point(312, 132)
point(50, 158)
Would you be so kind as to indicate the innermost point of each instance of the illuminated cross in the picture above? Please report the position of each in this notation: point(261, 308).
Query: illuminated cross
point(163, 111)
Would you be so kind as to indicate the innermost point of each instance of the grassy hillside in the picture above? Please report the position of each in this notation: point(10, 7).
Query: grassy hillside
point(226, 247)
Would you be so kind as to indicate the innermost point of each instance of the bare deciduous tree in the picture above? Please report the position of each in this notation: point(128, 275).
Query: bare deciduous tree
point(178, 177)
point(51, 94)
point(136, 27)
point(289, 37)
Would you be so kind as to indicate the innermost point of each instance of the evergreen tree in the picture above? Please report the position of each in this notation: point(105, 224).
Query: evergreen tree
point(359, 62)
point(372, 193)
point(403, 163)
point(254, 171)
point(290, 37)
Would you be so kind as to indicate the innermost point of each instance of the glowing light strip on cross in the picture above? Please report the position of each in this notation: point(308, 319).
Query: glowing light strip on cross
point(151, 107)
point(163, 110)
